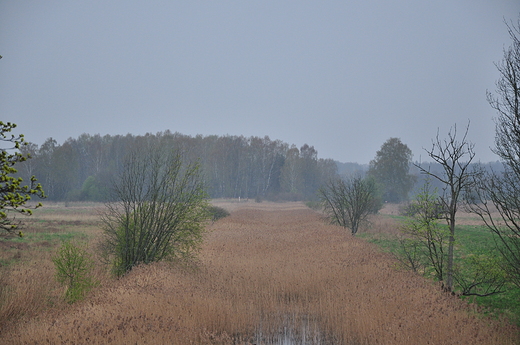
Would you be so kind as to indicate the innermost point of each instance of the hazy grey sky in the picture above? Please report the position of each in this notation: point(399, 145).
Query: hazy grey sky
point(343, 76)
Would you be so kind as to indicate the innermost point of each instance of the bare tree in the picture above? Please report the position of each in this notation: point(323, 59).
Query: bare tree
point(424, 247)
point(349, 203)
point(497, 196)
point(455, 158)
point(507, 103)
point(496, 200)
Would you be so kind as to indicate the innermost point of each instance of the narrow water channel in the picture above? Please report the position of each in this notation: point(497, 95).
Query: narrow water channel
point(288, 337)
point(300, 331)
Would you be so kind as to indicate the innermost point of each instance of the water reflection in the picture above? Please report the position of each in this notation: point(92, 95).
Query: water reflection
point(300, 330)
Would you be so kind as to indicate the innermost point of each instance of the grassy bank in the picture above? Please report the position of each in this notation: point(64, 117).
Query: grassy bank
point(472, 239)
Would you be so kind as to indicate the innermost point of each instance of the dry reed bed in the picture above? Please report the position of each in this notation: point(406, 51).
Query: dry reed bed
point(265, 268)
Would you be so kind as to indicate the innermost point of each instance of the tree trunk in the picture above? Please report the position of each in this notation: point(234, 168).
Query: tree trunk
point(451, 244)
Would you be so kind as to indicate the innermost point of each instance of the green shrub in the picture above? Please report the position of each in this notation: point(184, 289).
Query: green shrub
point(74, 267)
point(217, 212)
point(314, 205)
point(413, 208)
point(159, 211)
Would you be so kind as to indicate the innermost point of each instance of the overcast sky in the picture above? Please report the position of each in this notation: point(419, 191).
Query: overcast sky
point(343, 76)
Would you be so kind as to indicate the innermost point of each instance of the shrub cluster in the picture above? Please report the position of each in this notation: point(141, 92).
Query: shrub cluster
point(217, 212)
point(411, 209)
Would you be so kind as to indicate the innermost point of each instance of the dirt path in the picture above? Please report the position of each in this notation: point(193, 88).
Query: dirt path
point(266, 268)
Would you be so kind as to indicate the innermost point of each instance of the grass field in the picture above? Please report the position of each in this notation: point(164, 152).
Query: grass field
point(268, 274)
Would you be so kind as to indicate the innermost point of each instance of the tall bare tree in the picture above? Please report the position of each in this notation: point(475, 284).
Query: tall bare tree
point(499, 192)
point(455, 158)
point(507, 103)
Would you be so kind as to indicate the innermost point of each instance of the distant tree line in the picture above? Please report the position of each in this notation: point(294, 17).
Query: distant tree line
point(233, 166)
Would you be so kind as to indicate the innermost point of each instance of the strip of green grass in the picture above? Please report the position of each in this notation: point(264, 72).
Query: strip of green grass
point(18, 249)
point(54, 237)
point(33, 239)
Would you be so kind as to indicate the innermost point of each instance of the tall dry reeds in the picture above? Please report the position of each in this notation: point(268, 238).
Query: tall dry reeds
point(265, 273)
point(25, 291)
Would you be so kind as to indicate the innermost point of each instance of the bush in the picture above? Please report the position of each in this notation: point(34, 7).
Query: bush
point(74, 267)
point(216, 212)
point(159, 213)
point(314, 205)
point(411, 209)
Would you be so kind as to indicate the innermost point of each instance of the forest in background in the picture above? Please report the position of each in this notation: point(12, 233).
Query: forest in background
point(83, 168)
